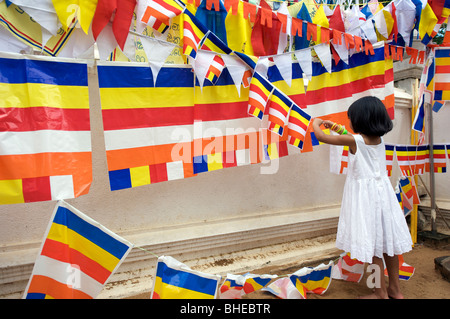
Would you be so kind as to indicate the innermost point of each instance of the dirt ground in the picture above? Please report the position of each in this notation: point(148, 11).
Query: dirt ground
point(426, 283)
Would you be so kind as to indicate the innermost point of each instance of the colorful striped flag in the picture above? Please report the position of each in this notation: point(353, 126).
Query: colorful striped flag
point(213, 43)
point(77, 257)
point(175, 280)
point(256, 282)
point(426, 88)
point(45, 137)
point(405, 271)
point(235, 286)
point(314, 280)
point(260, 90)
point(348, 269)
point(159, 12)
point(193, 33)
point(439, 159)
point(389, 149)
point(232, 287)
point(284, 288)
point(298, 123)
point(442, 75)
point(215, 69)
point(406, 157)
point(148, 129)
point(279, 108)
point(422, 155)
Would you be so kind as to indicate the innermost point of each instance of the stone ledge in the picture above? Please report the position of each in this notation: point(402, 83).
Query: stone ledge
point(195, 242)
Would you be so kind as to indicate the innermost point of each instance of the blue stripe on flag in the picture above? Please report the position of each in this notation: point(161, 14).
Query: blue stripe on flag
point(112, 76)
point(186, 280)
point(316, 275)
point(45, 72)
point(94, 234)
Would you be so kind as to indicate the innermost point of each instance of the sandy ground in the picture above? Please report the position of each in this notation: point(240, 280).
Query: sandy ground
point(426, 283)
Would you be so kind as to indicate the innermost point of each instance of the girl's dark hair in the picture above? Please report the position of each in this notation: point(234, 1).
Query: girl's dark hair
point(369, 116)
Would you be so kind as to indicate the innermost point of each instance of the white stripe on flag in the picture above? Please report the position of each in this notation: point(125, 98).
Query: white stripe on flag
point(18, 143)
point(67, 274)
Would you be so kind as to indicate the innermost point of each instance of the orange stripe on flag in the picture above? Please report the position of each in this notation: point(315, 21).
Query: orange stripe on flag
point(55, 289)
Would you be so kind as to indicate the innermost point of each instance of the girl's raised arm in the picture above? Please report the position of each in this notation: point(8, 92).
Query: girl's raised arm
point(346, 139)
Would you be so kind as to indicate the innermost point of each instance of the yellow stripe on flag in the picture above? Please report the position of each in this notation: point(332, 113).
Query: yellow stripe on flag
point(125, 98)
point(77, 242)
point(39, 94)
point(166, 291)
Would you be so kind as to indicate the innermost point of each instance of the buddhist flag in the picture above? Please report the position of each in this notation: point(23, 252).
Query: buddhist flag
point(193, 33)
point(406, 156)
point(147, 127)
point(213, 43)
point(159, 12)
point(235, 286)
point(439, 159)
point(313, 280)
point(175, 280)
point(260, 90)
point(215, 69)
point(279, 107)
point(45, 137)
point(422, 155)
point(426, 88)
point(284, 288)
point(256, 282)
point(298, 123)
point(405, 271)
point(348, 269)
point(77, 257)
point(427, 23)
point(389, 150)
point(442, 75)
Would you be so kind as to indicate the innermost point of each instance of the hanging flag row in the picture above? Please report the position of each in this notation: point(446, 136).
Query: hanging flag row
point(411, 159)
point(185, 128)
point(78, 256)
point(290, 27)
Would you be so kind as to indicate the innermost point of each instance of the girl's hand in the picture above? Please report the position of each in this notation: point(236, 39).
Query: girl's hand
point(327, 124)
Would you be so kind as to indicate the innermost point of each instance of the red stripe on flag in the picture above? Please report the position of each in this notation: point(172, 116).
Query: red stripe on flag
point(44, 118)
point(62, 252)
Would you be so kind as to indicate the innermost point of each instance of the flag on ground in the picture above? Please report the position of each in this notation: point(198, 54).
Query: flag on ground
point(405, 271)
point(175, 280)
point(77, 257)
point(314, 280)
point(348, 269)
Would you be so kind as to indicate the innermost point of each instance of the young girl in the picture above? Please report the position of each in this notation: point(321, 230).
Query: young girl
point(371, 223)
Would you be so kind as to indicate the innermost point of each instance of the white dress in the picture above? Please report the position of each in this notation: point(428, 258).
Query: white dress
point(371, 221)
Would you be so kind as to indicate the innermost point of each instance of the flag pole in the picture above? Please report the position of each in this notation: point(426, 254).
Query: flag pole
point(414, 141)
point(432, 177)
